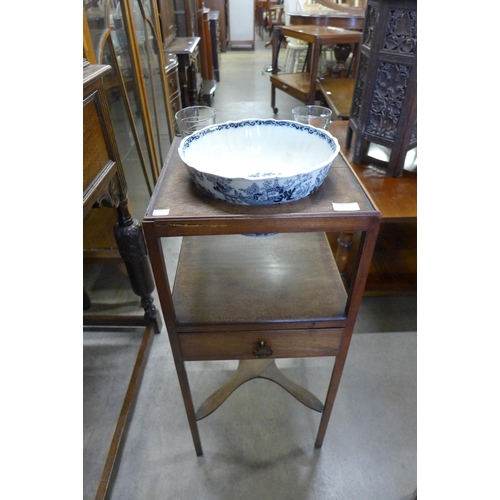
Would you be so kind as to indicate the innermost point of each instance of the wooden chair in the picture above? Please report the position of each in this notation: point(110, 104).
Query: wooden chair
point(274, 17)
point(274, 14)
point(259, 18)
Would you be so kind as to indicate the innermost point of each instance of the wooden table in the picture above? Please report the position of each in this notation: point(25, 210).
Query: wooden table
point(329, 17)
point(257, 299)
point(337, 93)
point(302, 86)
point(352, 18)
point(394, 265)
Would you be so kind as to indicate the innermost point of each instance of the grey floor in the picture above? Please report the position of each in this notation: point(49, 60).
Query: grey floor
point(260, 443)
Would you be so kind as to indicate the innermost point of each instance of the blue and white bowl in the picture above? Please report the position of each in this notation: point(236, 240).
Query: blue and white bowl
point(259, 162)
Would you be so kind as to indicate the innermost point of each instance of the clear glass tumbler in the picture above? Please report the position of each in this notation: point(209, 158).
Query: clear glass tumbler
point(317, 116)
point(194, 118)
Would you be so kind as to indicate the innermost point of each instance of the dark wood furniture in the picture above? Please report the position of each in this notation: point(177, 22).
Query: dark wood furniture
point(393, 270)
point(352, 18)
point(206, 52)
point(184, 12)
point(207, 70)
point(273, 15)
point(337, 94)
point(104, 184)
point(303, 86)
point(257, 299)
point(268, 13)
point(221, 7)
point(168, 21)
point(384, 107)
point(174, 86)
point(187, 51)
point(214, 20)
point(193, 46)
point(351, 21)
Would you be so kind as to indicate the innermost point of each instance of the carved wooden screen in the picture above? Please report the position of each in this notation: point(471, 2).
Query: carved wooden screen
point(384, 106)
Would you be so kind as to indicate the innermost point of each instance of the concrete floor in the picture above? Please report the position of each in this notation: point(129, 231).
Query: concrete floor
point(260, 443)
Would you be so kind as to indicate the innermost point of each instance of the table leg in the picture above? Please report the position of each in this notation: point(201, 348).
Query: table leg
point(363, 265)
point(330, 397)
point(360, 148)
point(348, 137)
point(313, 63)
point(276, 45)
point(163, 289)
point(188, 405)
point(345, 242)
point(273, 99)
point(86, 300)
point(193, 90)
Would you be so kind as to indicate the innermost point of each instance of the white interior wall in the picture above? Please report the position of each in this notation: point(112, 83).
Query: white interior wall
point(292, 6)
point(241, 20)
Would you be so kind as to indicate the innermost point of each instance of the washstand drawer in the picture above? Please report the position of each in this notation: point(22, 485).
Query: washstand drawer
point(173, 83)
point(197, 346)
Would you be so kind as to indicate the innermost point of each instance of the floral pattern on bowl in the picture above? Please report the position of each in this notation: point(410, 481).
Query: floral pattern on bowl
point(294, 160)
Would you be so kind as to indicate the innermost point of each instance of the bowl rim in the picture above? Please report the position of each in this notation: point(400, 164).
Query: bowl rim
point(325, 134)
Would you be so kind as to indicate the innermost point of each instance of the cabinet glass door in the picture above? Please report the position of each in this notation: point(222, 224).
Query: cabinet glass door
point(125, 34)
point(150, 45)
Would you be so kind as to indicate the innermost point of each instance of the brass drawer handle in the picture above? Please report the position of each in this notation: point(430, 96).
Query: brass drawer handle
point(262, 351)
